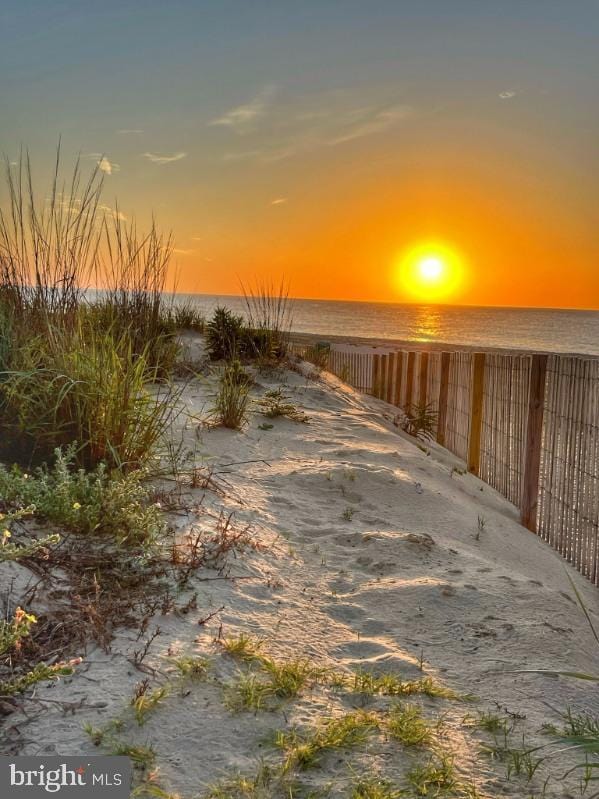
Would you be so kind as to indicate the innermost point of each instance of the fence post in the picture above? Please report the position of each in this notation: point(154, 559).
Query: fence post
point(410, 380)
point(476, 411)
point(443, 394)
point(423, 379)
point(376, 374)
point(398, 375)
point(390, 370)
point(534, 434)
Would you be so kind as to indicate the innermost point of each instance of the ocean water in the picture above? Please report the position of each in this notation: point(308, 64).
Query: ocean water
point(547, 330)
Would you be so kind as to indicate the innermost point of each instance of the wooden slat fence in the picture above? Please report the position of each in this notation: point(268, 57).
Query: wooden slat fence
point(525, 423)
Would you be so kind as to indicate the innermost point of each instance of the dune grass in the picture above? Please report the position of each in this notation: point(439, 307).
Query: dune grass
point(76, 366)
point(232, 400)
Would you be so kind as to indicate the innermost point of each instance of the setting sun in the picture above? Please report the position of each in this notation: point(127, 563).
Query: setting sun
point(430, 272)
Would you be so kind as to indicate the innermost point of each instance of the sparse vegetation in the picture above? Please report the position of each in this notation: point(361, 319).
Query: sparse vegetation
point(225, 335)
point(420, 421)
point(438, 777)
point(406, 725)
point(144, 700)
point(232, 400)
point(86, 502)
point(306, 750)
point(275, 403)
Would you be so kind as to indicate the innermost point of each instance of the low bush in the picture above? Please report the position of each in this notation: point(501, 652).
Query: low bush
point(87, 385)
point(84, 502)
point(225, 334)
point(232, 400)
point(275, 403)
point(420, 421)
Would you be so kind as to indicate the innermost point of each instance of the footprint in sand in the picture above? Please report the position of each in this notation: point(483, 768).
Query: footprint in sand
point(360, 650)
point(345, 612)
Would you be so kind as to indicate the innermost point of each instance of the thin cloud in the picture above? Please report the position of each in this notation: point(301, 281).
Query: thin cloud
point(279, 201)
point(179, 251)
point(104, 163)
point(129, 131)
point(377, 123)
point(108, 167)
point(114, 213)
point(240, 118)
point(507, 95)
point(157, 158)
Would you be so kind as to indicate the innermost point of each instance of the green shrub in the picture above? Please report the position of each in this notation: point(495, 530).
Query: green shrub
point(420, 421)
point(87, 385)
point(85, 502)
point(275, 403)
point(232, 400)
point(186, 317)
point(268, 310)
point(225, 334)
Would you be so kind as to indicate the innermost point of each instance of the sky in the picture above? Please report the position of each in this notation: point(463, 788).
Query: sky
point(325, 140)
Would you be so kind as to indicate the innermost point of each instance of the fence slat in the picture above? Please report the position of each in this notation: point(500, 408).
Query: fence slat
point(476, 411)
point(443, 392)
point(410, 380)
point(532, 450)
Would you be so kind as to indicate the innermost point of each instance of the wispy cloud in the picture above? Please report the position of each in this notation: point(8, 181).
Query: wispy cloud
point(241, 118)
point(104, 163)
point(279, 201)
point(507, 95)
point(129, 131)
point(157, 158)
point(373, 122)
point(113, 212)
point(108, 167)
point(180, 251)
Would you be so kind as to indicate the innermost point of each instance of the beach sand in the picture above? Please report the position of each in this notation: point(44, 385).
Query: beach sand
point(367, 555)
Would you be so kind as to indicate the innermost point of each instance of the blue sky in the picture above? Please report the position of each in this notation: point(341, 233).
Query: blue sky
point(216, 115)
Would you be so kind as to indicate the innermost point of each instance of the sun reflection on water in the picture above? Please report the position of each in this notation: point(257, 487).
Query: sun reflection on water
point(427, 324)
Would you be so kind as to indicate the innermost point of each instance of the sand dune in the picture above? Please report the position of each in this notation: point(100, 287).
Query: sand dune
point(368, 556)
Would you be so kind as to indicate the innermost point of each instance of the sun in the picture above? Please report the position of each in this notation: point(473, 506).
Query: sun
point(431, 271)
point(431, 268)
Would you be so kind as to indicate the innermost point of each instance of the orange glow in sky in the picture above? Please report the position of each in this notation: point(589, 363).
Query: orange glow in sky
point(441, 152)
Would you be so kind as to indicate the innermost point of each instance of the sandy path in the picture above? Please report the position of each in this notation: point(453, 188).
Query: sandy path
point(371, 561)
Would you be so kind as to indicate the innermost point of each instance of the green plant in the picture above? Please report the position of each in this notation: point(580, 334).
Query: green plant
point(289, 678)
point(420, 421)
point(194, 668)
point(11, 632)
point(318, 355)
point(268, 311)
point(266, 783)
point(438, 777)
point(85, 502)
point(365, 682)
point(225, 335)
point(374, 788)
point(348, 514)
point(185, 317)
point(88, 386)
point(145, 701)
point(40, 673)
point(406, 725)
point(248, 692)
point(243, 647)
point(231, 402)
point(275, 403)
point(305, 750)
